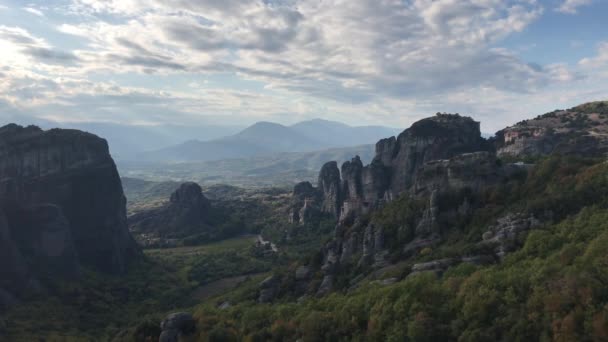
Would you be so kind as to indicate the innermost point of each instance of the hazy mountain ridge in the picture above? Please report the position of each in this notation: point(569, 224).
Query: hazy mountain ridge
point(128, 141)
point(267, 138)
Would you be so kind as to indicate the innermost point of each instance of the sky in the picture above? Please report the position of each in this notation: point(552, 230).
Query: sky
point(362, 62)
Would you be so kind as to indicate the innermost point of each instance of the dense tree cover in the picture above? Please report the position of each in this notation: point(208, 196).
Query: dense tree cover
point(554, 288)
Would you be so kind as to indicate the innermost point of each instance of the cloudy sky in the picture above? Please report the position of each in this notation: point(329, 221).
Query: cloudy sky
point(386, 62)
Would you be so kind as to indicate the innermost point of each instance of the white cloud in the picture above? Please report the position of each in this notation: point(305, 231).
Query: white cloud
point(571, 6)
point(364, 61)
point(34, 11)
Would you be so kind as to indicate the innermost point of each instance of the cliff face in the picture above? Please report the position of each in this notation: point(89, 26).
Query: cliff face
point(582, 130)
point(416, 162)
point(437, 156)
point(62, 205)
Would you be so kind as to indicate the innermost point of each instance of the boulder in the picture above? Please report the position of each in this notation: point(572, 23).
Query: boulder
point(176, 325)
point(269, 288)
point(303, 273)
point(436, 266)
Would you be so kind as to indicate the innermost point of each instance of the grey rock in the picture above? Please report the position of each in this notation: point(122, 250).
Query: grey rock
point(267, 295)
point(330, 186)
point(508, 228)
point(309, 212)
point(326, 285)
point(428, 224)
point(185, 214)
point(303, 273)
point(479, 260)
point(176, 325)
point(62, 206)
point(269, 282)
point(269, 288)
point(419, 243)
point(388, 281)
point(349, 248)
point(435, 265)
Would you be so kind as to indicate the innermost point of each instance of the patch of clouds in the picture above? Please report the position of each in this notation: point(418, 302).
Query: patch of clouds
point(572, 6)
point(364, 61)
point(34, 11)
point(22, 48)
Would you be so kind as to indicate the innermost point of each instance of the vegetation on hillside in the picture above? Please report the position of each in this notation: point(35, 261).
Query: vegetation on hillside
point(553, 288)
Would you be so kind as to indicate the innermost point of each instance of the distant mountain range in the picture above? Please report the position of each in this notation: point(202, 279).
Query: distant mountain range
point(267, 138)
point(126, 141)
point(279, 169)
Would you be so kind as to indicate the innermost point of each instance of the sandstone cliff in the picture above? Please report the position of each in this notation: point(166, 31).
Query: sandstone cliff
point(61, 206)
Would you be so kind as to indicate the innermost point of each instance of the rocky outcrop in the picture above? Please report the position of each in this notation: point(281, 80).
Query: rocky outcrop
point(175, 326)
point(503, 236)
point(269, 288)
point(437, 138)
point(185, 214)
point(435, 266)
point(62, 206)
point(441, 152)
point(329, 185)
point(582, 130)
point(304, 208)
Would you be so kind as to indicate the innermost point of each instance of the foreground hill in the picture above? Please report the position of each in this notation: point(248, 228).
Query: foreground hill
point(266, 138)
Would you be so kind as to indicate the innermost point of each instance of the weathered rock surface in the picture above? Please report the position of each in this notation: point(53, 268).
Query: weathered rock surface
point(176, 325)
point(326, 285)
point(435, 265)
point(330, 186)
point(185, 214)
point(582, 130)
point(504, 235)
point(269, 288)
point(62, 206)
point(441, 152)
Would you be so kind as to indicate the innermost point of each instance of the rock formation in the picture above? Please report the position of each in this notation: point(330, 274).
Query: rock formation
point(582, 130)
point(61, 206)
point(329, 185)
point(175, 326)
point(442, 152)
point(185, 214)
point(434, 158)
point(504, 235)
